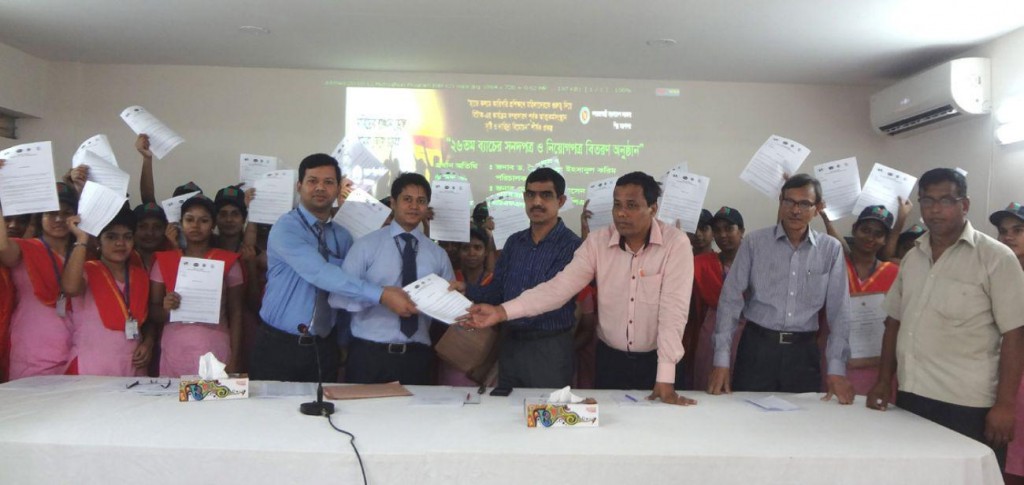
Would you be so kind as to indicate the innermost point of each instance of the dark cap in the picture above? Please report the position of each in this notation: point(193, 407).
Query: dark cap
point(230, 195)
point(480, 213)
point(150, 209)
point(1014, 210)
point(125, 217)
point(730, 215)
point(911, 234)
point(66, 195)
point(877, 213)
point(187, 189)
point(201, 200)
point(705, 218)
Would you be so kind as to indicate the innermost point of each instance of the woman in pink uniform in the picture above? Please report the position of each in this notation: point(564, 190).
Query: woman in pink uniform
point(1010, 224)
point(111, 304)
point(182, 343)
point(40, 330)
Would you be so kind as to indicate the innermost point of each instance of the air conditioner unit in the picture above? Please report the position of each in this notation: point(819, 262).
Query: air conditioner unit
point(958, 89)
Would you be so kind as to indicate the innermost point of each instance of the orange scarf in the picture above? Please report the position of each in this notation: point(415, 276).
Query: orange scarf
point(109, 299)
point(40, 271)
point(169, 260)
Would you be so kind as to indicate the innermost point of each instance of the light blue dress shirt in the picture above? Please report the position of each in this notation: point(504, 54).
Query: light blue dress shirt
point(377, 259)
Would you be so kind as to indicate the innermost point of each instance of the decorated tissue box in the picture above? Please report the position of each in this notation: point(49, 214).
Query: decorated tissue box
point(212, 383)
point(562, 409)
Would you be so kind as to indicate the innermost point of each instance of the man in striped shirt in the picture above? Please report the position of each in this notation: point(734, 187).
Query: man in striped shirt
point(535, 351)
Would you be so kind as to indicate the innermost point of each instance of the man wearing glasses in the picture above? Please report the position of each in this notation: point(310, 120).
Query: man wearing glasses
point(535, 351)
point(780, 280)
point(954, 327)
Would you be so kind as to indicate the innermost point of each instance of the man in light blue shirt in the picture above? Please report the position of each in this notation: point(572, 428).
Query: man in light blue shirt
point(305, 251)
point(386, 347)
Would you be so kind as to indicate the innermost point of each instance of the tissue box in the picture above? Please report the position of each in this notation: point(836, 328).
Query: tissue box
point(543, 414)
point(193, 388)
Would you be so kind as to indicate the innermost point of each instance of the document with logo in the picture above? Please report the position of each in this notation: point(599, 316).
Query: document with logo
point(778, 156)
point(162, 139)
point(200, 283)
point(840, 186)
point(27, 181)
point(601, 198)
point(432, 297)
point(682, 199)
point(509, 213)
point(884, 185)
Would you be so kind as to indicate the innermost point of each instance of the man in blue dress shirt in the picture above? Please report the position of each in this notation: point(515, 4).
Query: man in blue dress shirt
point(386, 347)
point(305, 250)
point(535, 351)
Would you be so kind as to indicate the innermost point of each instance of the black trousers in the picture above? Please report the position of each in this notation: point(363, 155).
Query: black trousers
point(968, 421)
point(770, 361)
point(279, 356)
point(616, 369)
point(535, 358)
point(376, 363)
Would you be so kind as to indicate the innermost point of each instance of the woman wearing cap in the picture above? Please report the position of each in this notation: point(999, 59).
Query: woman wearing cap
point(472, 271)
point(111, 304)
point(709, 272)
point(40, 329)
point(1010, 224)
point(183, 343)
point(869, 275)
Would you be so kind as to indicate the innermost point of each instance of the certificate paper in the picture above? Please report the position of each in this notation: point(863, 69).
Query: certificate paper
point(450, 201)
point(867, 325)
point(776, 157)
point(172, 206)
point(509, 213)
point(275, 196)
point(27, 183)
point(431, 296)
point(840, 186)
point(600, 195)
point(98, 206)
point(683, 198)
point(252, 167)
point(98, 145)
point(361, 214)
point(162, 139)
point(103, 172)
point(200, 284)
point(883, 186)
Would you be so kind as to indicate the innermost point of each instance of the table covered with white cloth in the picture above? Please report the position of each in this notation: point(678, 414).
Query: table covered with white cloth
point(76, 429)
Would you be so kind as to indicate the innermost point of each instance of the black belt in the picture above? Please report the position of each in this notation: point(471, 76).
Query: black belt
point(392, 348)
point(782, 338)
point(281, 335)
point(535, 334)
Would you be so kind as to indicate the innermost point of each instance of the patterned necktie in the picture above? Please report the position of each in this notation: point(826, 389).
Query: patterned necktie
point(410, 323)
point(321, 322)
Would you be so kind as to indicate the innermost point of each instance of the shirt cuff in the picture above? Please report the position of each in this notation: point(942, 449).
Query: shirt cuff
point(722, 359)
point(372, 293)
point(836, 367)
point(666, 373)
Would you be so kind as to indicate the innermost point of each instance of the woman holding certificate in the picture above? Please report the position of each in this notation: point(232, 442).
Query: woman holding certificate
point(112, 302)
point(40, 329)
point(203, 315)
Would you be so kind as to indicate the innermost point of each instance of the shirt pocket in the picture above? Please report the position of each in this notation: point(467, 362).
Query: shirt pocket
point(649, 289)
point(815, 287)
point(959, 301)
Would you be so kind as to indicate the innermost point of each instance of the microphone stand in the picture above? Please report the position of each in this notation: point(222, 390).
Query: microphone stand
point(318, 407)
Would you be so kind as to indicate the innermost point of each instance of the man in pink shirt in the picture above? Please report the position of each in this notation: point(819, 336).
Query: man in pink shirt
point(644, 272)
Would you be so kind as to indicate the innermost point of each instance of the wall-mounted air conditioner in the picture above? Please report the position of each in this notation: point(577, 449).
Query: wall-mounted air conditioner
point(956, 90)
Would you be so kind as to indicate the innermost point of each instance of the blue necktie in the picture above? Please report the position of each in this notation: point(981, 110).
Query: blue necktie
point(322, 320)
point(411, 323)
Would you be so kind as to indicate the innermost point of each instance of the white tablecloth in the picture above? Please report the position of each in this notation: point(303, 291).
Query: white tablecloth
point(87, 430)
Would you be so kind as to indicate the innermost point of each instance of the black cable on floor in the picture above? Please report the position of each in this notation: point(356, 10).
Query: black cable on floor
point(352, 441)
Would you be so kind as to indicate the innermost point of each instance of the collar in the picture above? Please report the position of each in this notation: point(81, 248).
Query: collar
point(967, 235)
point(781, 233)
point(550, 236)
point(309, 217)
point(654, 236)
point(394, 229)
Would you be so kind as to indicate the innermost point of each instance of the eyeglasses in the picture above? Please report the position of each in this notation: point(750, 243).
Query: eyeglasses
point(944, 202)
point(803, 205)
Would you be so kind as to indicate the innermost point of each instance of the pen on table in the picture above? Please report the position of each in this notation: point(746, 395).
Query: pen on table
point(481, 389)
point(468, 396)
point(631, 398)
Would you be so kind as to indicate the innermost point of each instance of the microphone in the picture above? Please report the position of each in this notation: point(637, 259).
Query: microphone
point(318, 407)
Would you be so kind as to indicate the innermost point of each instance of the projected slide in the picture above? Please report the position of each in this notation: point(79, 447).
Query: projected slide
point(496, 136)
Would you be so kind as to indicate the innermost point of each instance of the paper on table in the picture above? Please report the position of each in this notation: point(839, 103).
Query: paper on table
point(100, 146)
point(439, 396)
point(884, 184)
point(361, 214)
point(509, 213)
point(777, 156)
point(600, 195)
point(275, 196)
point(276, 389)
point(252, 167)
point(867, 325)
point(682, 199)
point(365, 391)
point(773, 403)
point(98, 205)
point(172, 206)
point(200, 284)
point(450, 201)
point(840, 186)
point(431, 296)
point(27, 181)
point(555, 165)
point(103, 173)
point(162, 139)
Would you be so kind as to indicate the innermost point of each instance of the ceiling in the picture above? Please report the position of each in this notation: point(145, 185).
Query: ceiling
point(794, 41)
